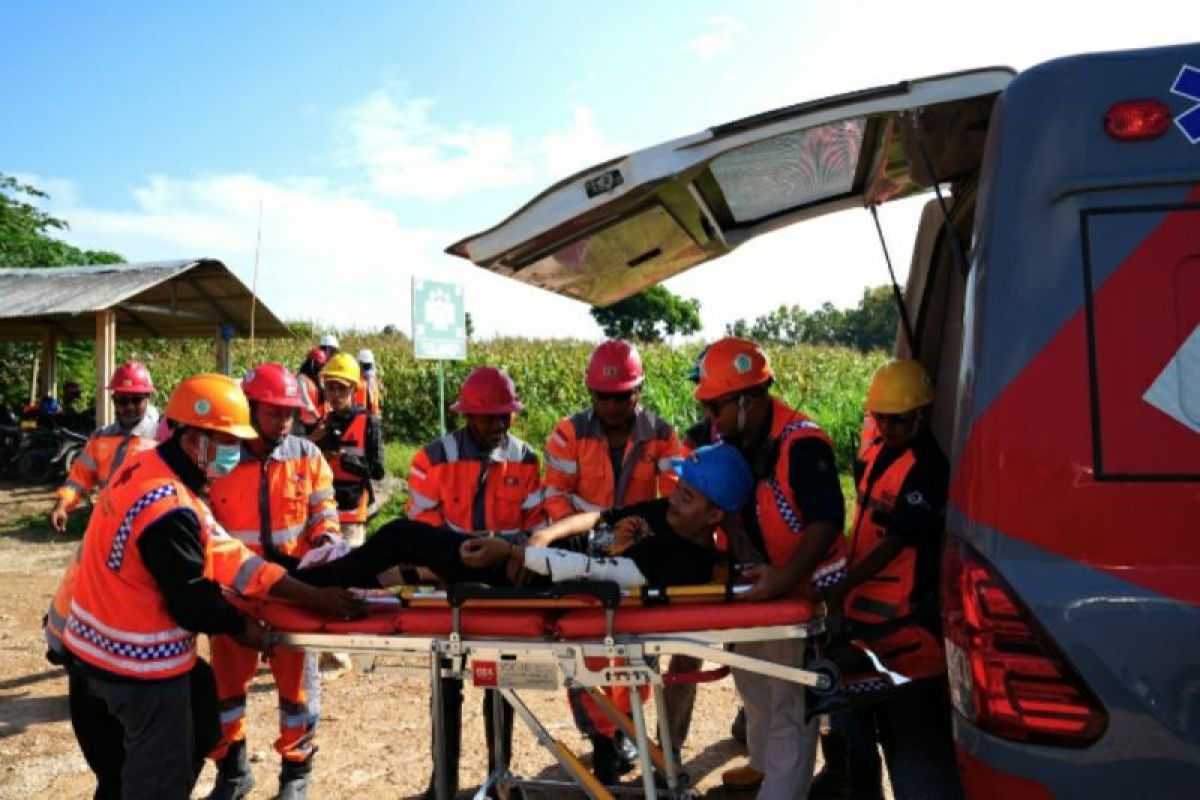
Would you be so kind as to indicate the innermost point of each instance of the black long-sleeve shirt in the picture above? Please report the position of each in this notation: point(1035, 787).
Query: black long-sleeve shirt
point(812, 477)
point(174, 555)
point(170, 548)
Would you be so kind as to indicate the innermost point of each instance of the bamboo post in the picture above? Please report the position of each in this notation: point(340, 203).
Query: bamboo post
point(106, 362)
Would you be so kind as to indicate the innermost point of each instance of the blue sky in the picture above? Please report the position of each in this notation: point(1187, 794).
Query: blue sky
point(374, 134)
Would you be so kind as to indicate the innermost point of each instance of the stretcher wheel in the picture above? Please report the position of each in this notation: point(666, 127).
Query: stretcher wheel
point(823, 666)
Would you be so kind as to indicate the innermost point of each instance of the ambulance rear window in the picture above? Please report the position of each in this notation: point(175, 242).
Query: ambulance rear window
point(1143, 271)
point(790, 171)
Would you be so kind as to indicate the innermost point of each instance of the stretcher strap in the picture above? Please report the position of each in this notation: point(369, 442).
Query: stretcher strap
point(699, 676)
point(606, 592)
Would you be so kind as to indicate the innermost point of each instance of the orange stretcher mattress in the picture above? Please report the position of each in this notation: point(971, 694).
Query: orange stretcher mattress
point(541, 623)
point(588, 623)
point(390, 620)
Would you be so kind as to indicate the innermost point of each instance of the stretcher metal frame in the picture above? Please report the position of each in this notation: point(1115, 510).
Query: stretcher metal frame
point(632, 661)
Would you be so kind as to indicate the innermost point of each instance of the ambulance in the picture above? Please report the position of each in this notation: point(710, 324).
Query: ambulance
point(1054, 296)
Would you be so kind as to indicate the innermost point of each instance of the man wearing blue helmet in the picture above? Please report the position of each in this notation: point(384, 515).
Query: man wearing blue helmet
point(662, 542)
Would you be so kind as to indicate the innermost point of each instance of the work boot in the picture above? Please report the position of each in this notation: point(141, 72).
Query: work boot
point(742, 779)
point(293, 779)
point(611, 757)
point(605, 761)
point(738, 729)
point(627, 752)
point(833, 781)
point(234, 778)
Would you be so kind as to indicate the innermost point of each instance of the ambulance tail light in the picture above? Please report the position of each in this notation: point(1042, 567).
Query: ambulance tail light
point(1137, 120)
point(1006, 675)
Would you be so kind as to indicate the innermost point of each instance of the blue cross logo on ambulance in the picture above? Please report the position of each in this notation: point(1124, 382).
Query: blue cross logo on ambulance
point(1187, 84)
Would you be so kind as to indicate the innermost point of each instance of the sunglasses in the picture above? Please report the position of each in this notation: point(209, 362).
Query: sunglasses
point(127, 399)
point(614, 397)
point(894, 419)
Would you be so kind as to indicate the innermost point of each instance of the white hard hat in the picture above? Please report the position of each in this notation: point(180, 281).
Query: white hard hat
point(365, 356)
point(329, 340)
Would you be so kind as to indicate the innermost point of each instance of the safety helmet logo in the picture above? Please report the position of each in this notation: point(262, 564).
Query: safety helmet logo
point(742, 363)
point(202, 406)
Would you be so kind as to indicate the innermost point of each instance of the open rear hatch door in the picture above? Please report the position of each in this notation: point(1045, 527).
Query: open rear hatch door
point(622, 226)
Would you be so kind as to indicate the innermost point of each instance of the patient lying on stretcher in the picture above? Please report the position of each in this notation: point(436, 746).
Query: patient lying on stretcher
point(660, 543)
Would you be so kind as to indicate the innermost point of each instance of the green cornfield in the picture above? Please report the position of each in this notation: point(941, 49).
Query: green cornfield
point(828, 383)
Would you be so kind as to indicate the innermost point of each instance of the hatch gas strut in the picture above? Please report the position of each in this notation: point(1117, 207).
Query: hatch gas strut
point(896, 291)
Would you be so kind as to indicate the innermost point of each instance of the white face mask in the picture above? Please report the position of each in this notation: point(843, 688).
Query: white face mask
point(227, 457)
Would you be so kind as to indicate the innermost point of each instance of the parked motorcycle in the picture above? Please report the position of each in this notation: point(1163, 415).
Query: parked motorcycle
point(10, 442)
point(45, 455)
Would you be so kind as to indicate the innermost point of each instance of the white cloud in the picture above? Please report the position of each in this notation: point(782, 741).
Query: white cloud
point(326, 256)
point(408, 155)
point(563, 153)
point(722, 35)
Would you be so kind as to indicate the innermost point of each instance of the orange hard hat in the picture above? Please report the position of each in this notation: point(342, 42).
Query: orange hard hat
point(488, 391)
point(212, 402)
point(731, 365)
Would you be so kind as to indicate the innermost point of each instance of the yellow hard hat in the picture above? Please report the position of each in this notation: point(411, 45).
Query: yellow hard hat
point(899, 386)
point(212, 402)
point(342, 367)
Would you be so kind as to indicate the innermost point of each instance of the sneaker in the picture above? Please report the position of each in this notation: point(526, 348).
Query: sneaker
point(741, 778)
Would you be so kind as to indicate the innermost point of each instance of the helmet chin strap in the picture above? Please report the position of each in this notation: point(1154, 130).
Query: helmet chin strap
point(741, 421)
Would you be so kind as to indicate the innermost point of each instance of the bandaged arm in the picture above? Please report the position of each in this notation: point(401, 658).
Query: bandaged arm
point(563, 565)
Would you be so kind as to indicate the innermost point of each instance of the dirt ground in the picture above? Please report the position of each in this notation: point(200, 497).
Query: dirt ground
point(374, 729)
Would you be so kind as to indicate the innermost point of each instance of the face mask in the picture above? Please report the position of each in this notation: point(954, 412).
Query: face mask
point(228, 456)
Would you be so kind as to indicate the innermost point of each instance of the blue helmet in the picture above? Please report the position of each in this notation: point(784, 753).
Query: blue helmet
point(718, 472)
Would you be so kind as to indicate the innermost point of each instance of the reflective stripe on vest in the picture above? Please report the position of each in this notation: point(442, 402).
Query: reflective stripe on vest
point(118, 618)
point(780, 520)
point(887, 594)
point(272, 500)
point(356, 438)
point(128, 651)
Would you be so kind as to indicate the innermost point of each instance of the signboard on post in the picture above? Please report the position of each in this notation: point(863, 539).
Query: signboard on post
point(439, 318)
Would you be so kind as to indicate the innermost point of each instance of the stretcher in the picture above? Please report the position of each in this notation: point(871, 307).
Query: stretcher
point(515, 640)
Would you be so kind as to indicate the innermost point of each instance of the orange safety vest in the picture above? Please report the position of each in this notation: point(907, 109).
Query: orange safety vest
point(286, 499)
point(579, 473)
point(352, 491)
point(117, 619)
point(448, 475)
point(911, 650)
point(369, 394)
point(103, 454)
point(779, 517)
point(867, 435)
point(310, 395)
point(60, 607)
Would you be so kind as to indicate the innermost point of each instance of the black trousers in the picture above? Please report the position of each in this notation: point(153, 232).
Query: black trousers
point(144, 738)
point(402, 541)
point(452, 699)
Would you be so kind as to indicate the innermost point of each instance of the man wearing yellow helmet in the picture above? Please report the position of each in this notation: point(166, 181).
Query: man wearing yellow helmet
point(352, 443)
point(149, 578)
point(892, 585)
